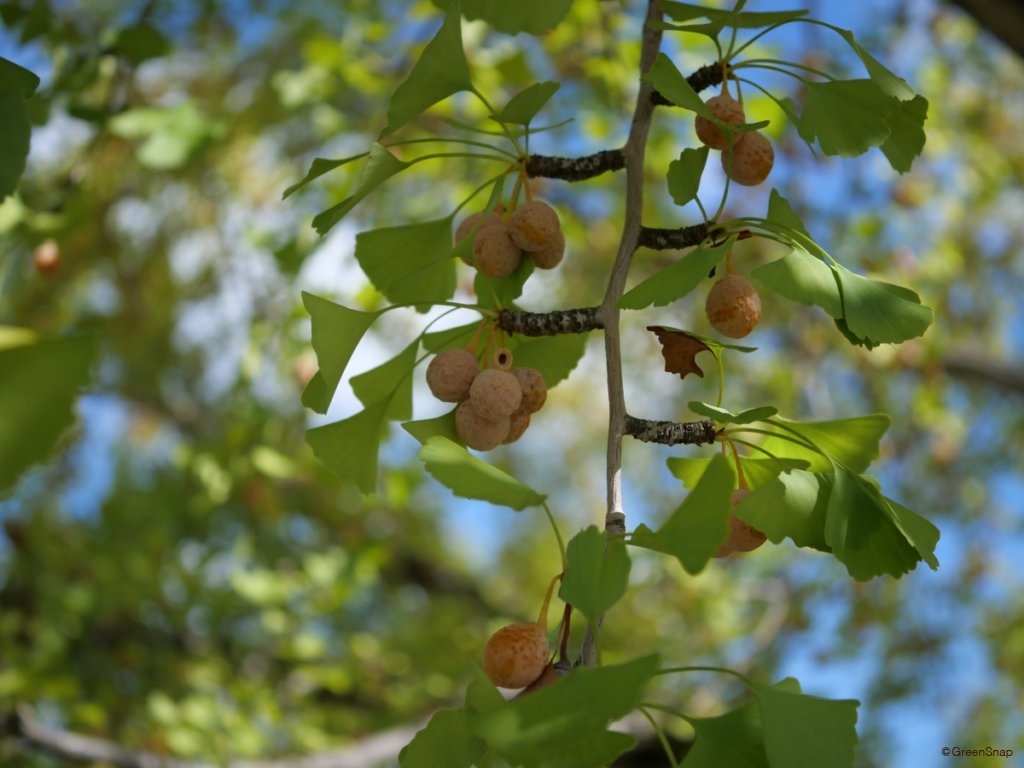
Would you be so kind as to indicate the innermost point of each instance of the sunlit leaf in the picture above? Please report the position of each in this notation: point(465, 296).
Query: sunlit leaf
point(380, 166)
point(678, 279)
point(410, 263)
point(853, 442)
point(879, 313)
point(802, 731)
point(793, 504)
point(390, 381)
point(597, 574)
point(337, 331)
point(437, 341)
point(699, 525)
point(684, 174)
point(440, 71)
point(723, 416)
point(922, 535)
point(471, 477)
point(554, 356)
point(757, 471)
point(524, 106)
point(804, 278)
point(349, 447)
point(38, 387)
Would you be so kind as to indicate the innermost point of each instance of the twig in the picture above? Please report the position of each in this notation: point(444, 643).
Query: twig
point(671, 432)
point(555, 323)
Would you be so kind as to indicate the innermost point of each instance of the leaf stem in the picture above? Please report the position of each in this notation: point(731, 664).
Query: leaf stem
point(660, 733)
point(558, 535)
point(701, 668)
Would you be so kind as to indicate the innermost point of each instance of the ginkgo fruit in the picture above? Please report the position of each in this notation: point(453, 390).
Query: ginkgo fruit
point(726, 109)
point(519, 422)
point(733, 306)
point(495, 253)
point(451, 373)
point(534, 225)
point(535, 390)
point(551, 255)
point(479, 433)
point(743, 537)
point(518, 654)
point(749, 160)
point(495, 394)
point(471, 221)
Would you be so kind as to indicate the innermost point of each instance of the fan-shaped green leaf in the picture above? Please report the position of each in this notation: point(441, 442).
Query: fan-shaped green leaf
point(597, 574)
point(793, 504)
point(349, 447)
point(684, 174)
point(410, 263)
point(846, 117)
point(318, 168)
point(804, 278)
point(667, 80)
point(473, 478)
point(802, 731)
point(534, 17)
point(734, 739)
point(878, 313)
point(906, 139)
point(524, 106)
point(390, 381)
point(676, 280)
point(380, 166)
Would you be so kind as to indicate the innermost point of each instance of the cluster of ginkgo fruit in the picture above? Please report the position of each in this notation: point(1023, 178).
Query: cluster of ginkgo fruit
point(733, 306)
point(501, 242)
point(495, 403)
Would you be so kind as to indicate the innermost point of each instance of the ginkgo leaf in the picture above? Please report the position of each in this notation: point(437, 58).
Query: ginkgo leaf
point(390, 381)
point(349, 447)
point(554, 356)
point(792, 505)
point(524, 106)
point(440, 71)
point(337, 331)
point(380, 166)
point(678, 279)
point(597, 573)
point(846, 117)
point(446, 733)
point(534, 17)
point(735, 739)
point(723, 416)
point(906, 138)
point(666, 79)
point(684, 174)
point(318, 168)
point(410, 263)
point(699, 525)
point(803, 278)
point(680, 350)
point(439, 426)
point(853, 442)
point(802, 731)
point(17, 85)
point(875, 312)
point(471, 477)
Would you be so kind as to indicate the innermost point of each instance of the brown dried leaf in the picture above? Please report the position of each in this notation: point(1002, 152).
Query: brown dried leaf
point(680, 350)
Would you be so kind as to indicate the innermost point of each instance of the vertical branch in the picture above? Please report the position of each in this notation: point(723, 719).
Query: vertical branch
point(608, 312)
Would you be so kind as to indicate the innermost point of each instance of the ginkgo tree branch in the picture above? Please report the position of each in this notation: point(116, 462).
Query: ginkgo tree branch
point(671, 432)
point(606, 160)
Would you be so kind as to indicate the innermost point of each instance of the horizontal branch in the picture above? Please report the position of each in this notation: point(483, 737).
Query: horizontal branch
point(669, 239)
point(575, 168)
point(705, 77)
point(557, 323)
point(671, 432)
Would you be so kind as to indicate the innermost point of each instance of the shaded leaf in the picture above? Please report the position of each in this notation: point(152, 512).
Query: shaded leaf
point(680, 350)
point(597, 574)
point(410, 263)
point(906, 138)
point(337, 331)
point(757, 471)
point(802, 731)
point(554, 356)
point(380, 166)
point(890, 83)
point(565, 724)
point(699, 525)
point(793, 504)
point(532, 16)
point(447, 733)
point(140, 42)
point(391, 381)
point(440, 71)
point(921, 534)
point(440, 426)
point(525, 105)
point(667, 80)
point(318, 168)
point(471, 477)
point(678, 279)
point(450, 338)
point(349, 447)
point(684, 174)
point(40, 382)
point(846, 117)
point(723, 416)
point(734, 739)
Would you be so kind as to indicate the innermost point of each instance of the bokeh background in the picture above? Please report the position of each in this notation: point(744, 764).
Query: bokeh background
point(183, 577)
